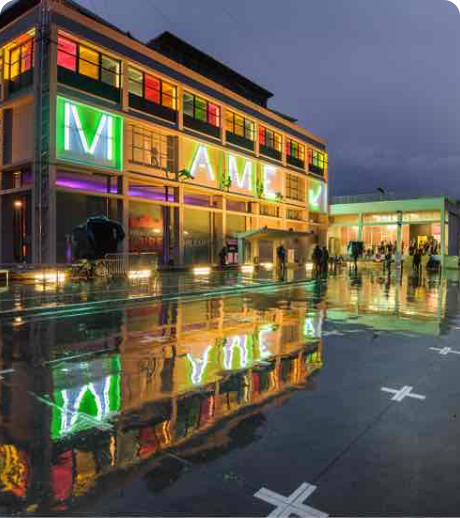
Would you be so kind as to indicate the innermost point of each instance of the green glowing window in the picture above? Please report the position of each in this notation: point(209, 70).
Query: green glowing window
point(318, 162)
point(295, 150)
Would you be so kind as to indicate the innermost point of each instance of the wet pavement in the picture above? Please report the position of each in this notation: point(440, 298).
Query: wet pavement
point(38, 297)
point(337, 396)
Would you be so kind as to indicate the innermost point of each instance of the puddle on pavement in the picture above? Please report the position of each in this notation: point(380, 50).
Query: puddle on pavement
point(102, 395)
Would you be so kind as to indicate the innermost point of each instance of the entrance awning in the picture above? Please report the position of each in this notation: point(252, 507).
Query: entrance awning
point(272, 233)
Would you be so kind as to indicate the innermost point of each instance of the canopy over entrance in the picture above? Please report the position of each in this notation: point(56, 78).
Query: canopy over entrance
point(296, 241)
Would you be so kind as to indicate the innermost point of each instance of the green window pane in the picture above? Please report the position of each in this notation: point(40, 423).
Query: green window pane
point(110, 72)
point(135, 82)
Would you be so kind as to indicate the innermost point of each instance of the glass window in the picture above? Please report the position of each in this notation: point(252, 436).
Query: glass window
point(169, 95)
point(317, 161)
point(240, 126)
point(295, 188)
point(295, 150)
point(89, 63)
point(110, 71)
point(135, 82)
point(188, 104)
point(152, 89)
point(26, 56)
point(67, 54)
point(151, 148)
point(200, 109)
point(15, 69)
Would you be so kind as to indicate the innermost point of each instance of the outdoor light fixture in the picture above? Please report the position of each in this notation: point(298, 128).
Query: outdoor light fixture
point(247, 268)
point(17, 204)
point(139, 274)
point(309, 267)
point(51, 277)
point(202, 270)
point(267, 266)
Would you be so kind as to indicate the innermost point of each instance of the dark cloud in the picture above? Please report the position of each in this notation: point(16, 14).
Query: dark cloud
point(379, 79)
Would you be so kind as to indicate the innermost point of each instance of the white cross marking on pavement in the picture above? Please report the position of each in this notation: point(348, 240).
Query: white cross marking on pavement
point(400, 394)
point(293, 504)
point(445, 350)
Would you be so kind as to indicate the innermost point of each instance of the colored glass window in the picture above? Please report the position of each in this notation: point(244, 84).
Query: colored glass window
point(295, 188)
point(67, 54)
point(201, 109)
point(15, 69)
point(240, 126)
point(269, 138)
point(152, 89)
point(89, 63)
point(318, 162)
point(136, 82)
point(295, 150)
point(110, 71)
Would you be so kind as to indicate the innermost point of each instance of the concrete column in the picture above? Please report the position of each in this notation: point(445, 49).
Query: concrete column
point(257, 144)
point(179, 259)
point(125, 86)
point(180, 109)
point(443, 234)
point(125, 212)
point(275, 244)
point(360, 227)
point(223, 123)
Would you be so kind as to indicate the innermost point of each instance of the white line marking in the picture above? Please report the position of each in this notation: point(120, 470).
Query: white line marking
point(402, 393)
point(8, 371)
point(293, 504)
point(444, 351)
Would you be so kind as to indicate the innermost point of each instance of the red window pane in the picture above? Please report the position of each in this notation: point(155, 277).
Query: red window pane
point(67, 54)
point(152, 89)
point(288, 148)
point(310, 156)
point(213, 114)
point(26, 56)
point(262, 136)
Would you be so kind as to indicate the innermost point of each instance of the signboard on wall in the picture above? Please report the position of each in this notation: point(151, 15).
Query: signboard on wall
point(242, 172)
point(88, 135)
point(317, 196)
point(203, 162)
point(272, 181)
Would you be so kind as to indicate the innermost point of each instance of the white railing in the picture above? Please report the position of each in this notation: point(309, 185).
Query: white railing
point(131, 264)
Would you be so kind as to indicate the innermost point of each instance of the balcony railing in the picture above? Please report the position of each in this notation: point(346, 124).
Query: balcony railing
point(296, 162)
point(388, 196)
point(240, 141)
point(21, 81)
point(270, 152)
point(201, 126)
point(88, 84)
point(155, 109)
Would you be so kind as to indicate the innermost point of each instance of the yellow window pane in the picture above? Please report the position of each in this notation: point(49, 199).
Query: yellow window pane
point(169, 95)
point(15, 55)
point(89, 63)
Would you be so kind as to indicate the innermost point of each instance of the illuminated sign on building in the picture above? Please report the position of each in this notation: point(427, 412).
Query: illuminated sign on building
point(88, 135)
point(242, 173)
point(236, 352)
point(269, 177)
point(317, 196)
point(203, 162)
point(84, 406)
point(199, 366)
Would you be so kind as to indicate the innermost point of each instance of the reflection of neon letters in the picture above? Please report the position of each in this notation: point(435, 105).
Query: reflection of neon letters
point(313, 326)
point(269, 173)
point(199, 366)
point(201, 161)
point(243, 181)
point(236, 342)
point(263, 342)
point(315, 197)
point(87, 405)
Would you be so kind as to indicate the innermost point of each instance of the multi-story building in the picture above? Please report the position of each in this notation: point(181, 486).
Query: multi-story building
point(176, 146)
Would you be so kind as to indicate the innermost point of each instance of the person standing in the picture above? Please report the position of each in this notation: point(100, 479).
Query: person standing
point(325, 260)
point(223, 257)
point(417, 260)
point(281, 253)
point(317, 259)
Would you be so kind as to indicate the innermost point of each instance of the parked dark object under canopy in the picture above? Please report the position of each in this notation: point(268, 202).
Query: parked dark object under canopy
point(96, 238)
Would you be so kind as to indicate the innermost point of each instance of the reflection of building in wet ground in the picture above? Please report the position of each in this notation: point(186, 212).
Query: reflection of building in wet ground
point(401, 303)
point(172, 376)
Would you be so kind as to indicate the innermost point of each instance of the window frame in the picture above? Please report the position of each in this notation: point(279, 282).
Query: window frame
point(157, 141)
point(245, 132)
point(209, 115)
point(321, 166)
point(296, 192)
point(275, 138)
point(100, 56)
point(161, 91)
point(8, 63)
point(295, 149)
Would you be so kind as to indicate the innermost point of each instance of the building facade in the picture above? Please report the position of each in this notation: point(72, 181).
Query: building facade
point(373, 219)
point(177, 147)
